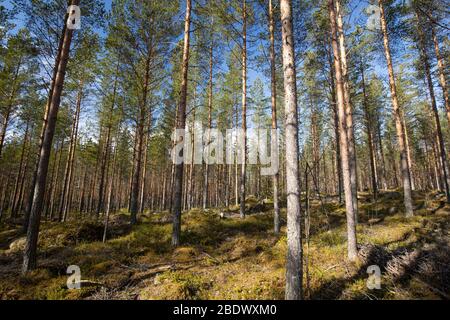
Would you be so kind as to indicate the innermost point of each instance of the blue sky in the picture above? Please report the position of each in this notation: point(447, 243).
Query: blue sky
point(355, 16)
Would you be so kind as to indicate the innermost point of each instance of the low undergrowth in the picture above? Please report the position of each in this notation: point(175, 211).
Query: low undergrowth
point(230, 258)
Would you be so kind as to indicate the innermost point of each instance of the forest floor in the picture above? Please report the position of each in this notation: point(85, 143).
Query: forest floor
point(230, 258)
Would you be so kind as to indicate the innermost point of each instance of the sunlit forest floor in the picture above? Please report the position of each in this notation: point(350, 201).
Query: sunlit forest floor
point(228, 258)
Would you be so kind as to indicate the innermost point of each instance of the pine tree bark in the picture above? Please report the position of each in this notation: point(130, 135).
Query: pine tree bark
point(20, 174)
point(344, 142)
point(55, 178)
point(192, 166)
point(210, 97)
point(106, 148)
point(44, 126)
point(244, 109)
point(336, 129)
point(408, 152)
point(434, 109)
point(140, 141)
point(64, 201)
point(441, 68)
point(406, 175)
point(29, 260)
point(5, 188)
point(110, 195)
point(143, 186)
point(370, 140)
point(10, 105)
point(81, 206)
point(348, 108)
point(294, 268)
point(236, 166)
point(381, 150)
point(181, 124)
point(274, 142)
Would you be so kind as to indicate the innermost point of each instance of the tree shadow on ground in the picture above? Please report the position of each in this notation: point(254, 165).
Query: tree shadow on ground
point(425, 260)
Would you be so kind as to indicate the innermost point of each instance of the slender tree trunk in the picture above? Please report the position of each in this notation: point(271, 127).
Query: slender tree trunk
point(21, 172)
point(20, 199)
point(4, 195)
point(44, 126)
point(9, 107)
point(429, 172)
point(294, 268)
point(348, 109)
point(336, 129)
point(210, 100)
point(83, 190)
point(135, 187)
point(110, 195)
point(441, 68)
point(181, 124)
point(106, 148)
point(406, 176)
point(92, 185)
point(373, 167)
point(274, 143)
point(434, 109)
point(438, 166)
point(244, 109)
point(142, 187)
point(142, 198)
point(29, 260)
point(192, 166)
point(164, 190)
point(380, 146)
point(54, 189)
point(70, 159)
point(345, 156)
point(236, 167)
point(408, 153)
point(68, 202)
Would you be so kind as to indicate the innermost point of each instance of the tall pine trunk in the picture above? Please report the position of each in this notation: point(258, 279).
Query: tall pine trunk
point(406, 175)
point(370, 140)
point(106, 148)
point(29, 258)
point(139, 146)
point(181, 124)
point(294, 269)
point(441, 68)
point(344, 142)
point(434, 109)
point(64, 204)
point(10, 106)
point(210, 97)
point(44, 126)
point(20, 175)
point(274, 142)
point(336, 128)
point(348, 109)
point(244, 109)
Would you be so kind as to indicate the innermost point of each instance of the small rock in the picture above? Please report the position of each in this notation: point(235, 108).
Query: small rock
point(392, 210)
